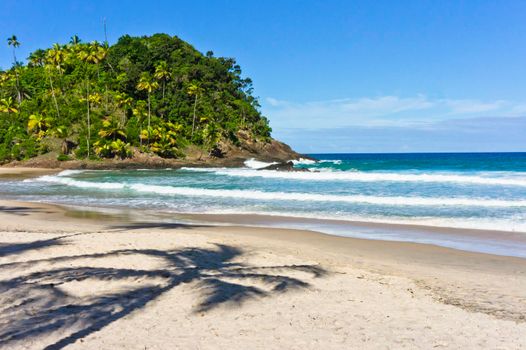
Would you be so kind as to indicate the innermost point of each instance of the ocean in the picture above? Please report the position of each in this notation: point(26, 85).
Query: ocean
point(470, 201)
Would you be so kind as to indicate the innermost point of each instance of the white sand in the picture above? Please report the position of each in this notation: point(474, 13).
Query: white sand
point(107, 284)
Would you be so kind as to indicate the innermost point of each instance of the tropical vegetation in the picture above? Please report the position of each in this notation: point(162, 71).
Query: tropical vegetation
point(152, 94)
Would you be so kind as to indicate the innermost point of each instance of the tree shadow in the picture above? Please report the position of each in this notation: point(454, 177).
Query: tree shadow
point(19, 248)
point(37, 304)
point(157, 225)
point(18, 210)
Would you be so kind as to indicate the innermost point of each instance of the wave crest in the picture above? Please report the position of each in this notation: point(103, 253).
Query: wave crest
point(289, 196)
point(357, 176)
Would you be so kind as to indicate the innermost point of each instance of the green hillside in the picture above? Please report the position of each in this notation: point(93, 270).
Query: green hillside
point(152, 94)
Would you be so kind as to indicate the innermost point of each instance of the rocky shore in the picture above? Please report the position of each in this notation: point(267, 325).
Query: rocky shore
point(226, 155)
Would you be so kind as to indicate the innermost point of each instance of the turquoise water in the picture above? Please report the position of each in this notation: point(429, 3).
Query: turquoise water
point(473, 191)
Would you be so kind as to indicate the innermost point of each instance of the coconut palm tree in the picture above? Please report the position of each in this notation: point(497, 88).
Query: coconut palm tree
point(91, 54)
point(146, 83)
point(75, 40)
point(39, 124)
point(13, 41)
point(125, 103)
point(37, 58)
point(7, 105)
point(55, 58)
point(194, 90)
point(162, 74)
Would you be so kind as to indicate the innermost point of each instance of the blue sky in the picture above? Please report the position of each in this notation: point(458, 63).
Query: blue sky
point(336, 76)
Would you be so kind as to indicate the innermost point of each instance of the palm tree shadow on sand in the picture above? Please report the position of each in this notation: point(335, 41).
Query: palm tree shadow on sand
point(35, 305)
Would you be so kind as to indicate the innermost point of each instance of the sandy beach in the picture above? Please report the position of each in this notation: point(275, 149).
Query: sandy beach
point(89, 281)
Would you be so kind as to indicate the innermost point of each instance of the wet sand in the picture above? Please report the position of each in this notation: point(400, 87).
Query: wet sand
point(23, 172)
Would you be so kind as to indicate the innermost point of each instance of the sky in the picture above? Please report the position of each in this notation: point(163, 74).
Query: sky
point(335, 76)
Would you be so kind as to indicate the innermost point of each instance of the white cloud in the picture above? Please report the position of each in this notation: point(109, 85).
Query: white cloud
point(473, 106)
point(386, 104)
point(393, 111)
point(456, 135)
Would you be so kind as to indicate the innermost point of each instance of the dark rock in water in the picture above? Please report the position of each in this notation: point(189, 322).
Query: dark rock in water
point(283, 166)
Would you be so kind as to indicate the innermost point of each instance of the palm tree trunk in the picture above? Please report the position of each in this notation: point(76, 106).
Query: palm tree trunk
point(106, 99)
point(54, 97)
point(193, 122)
point(149, 113)
point(18, 94)
point(89, 120)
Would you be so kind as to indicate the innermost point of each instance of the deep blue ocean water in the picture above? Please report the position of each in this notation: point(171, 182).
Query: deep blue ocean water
point(485, 191)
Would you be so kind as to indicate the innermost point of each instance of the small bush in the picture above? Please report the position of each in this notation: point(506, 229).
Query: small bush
point(63, 157)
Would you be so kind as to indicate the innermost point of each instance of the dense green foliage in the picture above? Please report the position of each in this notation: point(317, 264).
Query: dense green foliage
point(155, 94)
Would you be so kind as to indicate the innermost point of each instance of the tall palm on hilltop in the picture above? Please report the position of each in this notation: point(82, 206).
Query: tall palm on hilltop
point(146, 83)
point(75, 40)
point(13, 41)
point(74, 45)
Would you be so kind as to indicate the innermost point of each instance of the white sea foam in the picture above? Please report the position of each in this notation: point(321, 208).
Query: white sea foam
point(81, 184)
point(290, 196)
point(69, 172)
point(311, 197)
point(256, 164)
point(357, 176)
point(333, 161)
point(303, 161)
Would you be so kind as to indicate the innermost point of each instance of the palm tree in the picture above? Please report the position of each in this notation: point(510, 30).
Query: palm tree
point(39, 124)
point(194, 90)
point(140, 112)
point(13, 41)
point(7, 105)
point(162, 74)
point(94, 98)
point(91, 54)
point(111, 128)
point(37, 58)
point(124, 102)
point(147, 84)
point(55, 58)
point(75, 40)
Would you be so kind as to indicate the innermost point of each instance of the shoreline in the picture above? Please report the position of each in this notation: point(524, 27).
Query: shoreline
point(387, 292)
point(380, 229)
point(488, 241)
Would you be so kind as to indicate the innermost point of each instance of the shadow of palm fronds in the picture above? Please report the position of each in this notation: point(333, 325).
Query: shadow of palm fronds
point(18, 210)
point(37, 304)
